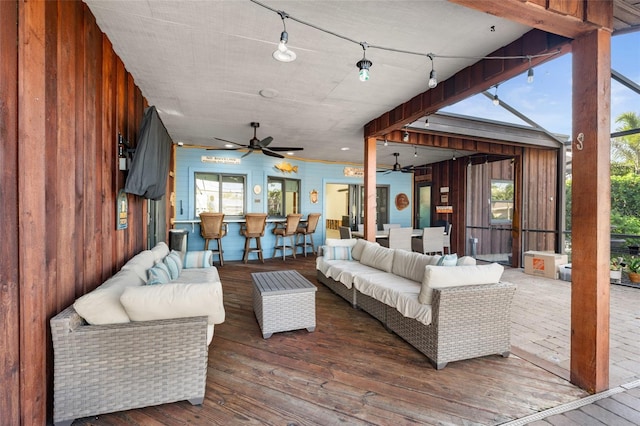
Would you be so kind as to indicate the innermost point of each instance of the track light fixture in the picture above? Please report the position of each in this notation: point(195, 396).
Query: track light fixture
point(364, 64)
point(530, 72)
point(283, 53)
point(405, 136)
point(433, 79)
point(495, 100)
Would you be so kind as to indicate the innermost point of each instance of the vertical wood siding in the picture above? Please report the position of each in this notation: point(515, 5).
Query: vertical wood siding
point(59, 184)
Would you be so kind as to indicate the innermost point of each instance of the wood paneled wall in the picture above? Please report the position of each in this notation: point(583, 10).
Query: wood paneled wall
point(537, 187)
point(64, 97)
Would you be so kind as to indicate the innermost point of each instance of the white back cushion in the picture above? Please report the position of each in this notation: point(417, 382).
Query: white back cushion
point(410, 265)
point(349, 242)
point(454, 276)
point(377, 257)
point(358, 248)
point(140, 263)
point(160, 251)
point(102, 305)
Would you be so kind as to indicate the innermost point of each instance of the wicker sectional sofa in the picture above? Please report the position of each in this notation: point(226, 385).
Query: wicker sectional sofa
point(127, 345)
point(449, 313)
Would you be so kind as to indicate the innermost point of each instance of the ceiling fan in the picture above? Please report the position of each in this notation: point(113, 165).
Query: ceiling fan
point(256, 144)
point(398, 168)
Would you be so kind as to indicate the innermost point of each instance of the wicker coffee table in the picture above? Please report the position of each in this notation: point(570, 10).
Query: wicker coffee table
point(283, 301)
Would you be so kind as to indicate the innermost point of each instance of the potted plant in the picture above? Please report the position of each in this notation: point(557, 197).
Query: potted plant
point(634, 270)
point(615, 269)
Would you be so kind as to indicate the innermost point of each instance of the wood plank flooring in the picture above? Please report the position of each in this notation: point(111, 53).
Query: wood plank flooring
point(351, 370)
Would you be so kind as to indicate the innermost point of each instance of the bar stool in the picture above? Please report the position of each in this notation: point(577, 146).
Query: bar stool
point(253, 227)
point(212, 227)
point(307, 230)
point(284, 230)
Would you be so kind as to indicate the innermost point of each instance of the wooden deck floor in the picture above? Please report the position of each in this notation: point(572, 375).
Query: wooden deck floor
point(349, 371)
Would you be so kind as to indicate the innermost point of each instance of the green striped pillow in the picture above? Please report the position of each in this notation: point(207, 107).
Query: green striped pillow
point(198, 259)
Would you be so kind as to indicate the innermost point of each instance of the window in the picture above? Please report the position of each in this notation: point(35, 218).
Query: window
point(283, 196)
point(220, 193)
point(501, 201)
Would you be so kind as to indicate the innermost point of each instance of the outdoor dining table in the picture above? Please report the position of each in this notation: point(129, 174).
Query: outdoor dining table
point(385, 234)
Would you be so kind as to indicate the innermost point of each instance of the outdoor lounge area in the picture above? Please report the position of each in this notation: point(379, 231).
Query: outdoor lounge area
point(352, 370)
point(122, 123)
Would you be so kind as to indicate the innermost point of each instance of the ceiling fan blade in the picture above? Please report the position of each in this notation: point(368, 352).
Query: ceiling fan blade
point(265, 142)
point(281, 148)
point(223, 149)
point(235, 143)
point(248, 152)
point(270, 153)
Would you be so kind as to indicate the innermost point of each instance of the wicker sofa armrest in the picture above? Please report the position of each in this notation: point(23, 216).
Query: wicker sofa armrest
point(479, 315)
point(104, 368)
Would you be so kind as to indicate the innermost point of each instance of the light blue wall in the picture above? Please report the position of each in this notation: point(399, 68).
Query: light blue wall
point(256, 167)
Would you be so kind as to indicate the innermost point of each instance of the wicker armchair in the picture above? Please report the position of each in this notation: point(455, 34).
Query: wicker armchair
point(105, 368)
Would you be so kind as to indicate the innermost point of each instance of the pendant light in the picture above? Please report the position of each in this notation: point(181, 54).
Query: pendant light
point(364, 64)
point(283, 53)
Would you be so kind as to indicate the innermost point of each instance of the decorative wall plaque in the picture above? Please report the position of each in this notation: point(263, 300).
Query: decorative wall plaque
point(402, 201)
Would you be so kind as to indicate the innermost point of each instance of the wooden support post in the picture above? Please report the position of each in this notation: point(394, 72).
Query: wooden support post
point(591, 211)
point(370, 189)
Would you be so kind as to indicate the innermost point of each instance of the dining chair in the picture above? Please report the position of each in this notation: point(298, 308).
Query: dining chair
point(286, 230)
point(253, 227)
point(307, 230)
point(447, 238)
point(345, 232)
point(399, 238)
point(431, 241)
point(213, 227)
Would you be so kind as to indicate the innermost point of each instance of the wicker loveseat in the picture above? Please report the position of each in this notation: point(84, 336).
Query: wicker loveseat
point(136, 345)
point(449, 313)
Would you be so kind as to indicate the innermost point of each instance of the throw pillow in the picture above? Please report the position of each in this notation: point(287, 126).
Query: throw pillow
point(198, 259)
point(448, 260)
point(337, 253)
point(159, 274)
point(172, 266)
point(177, 256)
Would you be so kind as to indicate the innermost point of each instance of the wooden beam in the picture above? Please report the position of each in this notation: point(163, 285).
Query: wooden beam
point(568, 18)
point(591, 211)
point(370, 165)
point(470, 81)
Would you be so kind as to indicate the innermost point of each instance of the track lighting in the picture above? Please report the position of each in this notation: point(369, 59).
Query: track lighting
point(495, 100)
point(282, 53)
point(433, 79)
point(364, 64)
point(530, 72)
point(405, 136)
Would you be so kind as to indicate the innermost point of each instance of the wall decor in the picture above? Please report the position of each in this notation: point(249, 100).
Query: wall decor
point(122, 210)
point(219, 160)
point(444, 209)
point(354, 171)
point(313, 196)
point(402, 201)
point(257, 189)
point(285, 167)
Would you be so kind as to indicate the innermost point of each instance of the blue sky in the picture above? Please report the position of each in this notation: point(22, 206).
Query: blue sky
point(547, 100)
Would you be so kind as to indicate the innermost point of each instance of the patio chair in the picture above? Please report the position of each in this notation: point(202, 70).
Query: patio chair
point(286, 230)
point(253, 227)
point(307, 230)
point(345, 232)
point(213, 227)
point(431, 242)
point(399, 238)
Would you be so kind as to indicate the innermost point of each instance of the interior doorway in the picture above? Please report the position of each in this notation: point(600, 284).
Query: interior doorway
point(344, 206)
point(423, 205)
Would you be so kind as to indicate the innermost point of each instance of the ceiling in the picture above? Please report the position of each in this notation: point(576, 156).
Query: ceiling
point(207, 66)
